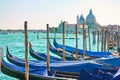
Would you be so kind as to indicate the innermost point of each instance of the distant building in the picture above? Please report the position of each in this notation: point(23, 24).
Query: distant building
point(90, 22)
point(111, 28)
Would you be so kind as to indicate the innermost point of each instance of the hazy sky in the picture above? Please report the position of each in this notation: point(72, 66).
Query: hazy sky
point(38, 13)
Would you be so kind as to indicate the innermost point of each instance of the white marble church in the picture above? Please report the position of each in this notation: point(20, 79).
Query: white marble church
point(90, 22)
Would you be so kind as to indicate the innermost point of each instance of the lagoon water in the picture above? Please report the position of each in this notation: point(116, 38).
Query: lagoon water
point(15, 42)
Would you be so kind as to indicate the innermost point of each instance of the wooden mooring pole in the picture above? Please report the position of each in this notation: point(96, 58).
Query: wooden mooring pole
point(102, 39)
point(105, 38)
point(94, 37)
point(48, 55)
point(37, 35)
point(89, 39)
point(63, 30)
point(108, 40)
point(118, 39)
point(76, 42)
point(84, 48)
point(112, 35)
point(98, 40)
point(26, 52)
point(1, 55)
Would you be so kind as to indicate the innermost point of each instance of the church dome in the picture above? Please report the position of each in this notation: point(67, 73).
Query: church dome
point(82, 20)
point(90, 16)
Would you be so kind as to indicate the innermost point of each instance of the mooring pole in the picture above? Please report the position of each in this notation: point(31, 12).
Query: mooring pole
point(63, 41)
point(94, 37)
point(102, 40)
point(98, 40)
point(84, 50)
point(26, 52)
point(108, 40)
point(118, 39)
point(112, 33)
point(76, 42)
point(89, 39)
point(1, 55)
point(112, 28)
point(48, 55)
point(105, 35)
point(37, 35)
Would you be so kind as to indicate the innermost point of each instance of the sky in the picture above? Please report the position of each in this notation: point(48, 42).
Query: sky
point(38, 13)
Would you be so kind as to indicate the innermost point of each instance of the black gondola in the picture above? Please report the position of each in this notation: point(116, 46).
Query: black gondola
point(80, 51)
point(40, 73)
point(33, 66)
point(34, 74)
point(19, 61)
point(41, 56)
point(62, 65)
point(59, 52)
point(35, 63)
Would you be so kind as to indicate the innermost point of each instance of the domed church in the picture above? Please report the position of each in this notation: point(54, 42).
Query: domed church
point(90, 22)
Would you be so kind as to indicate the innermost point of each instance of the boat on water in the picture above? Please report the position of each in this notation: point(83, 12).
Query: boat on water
point(61, 69)
point(59, 52)
point(20, 61)
point(109, 61)
point(33, 64)
point(41, 56)
point(66, 66)
point(38, 73)
point(34, 73)
point(80, 51)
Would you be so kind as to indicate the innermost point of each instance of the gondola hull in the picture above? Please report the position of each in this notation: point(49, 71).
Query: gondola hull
point(34, 74)
point(66, 66)
point(57, 66)
point(59, 52)
point(80, 51)
point(42, 56)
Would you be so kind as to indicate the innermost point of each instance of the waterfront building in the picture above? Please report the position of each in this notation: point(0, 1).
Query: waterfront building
point(89, 22)
point(111, 27)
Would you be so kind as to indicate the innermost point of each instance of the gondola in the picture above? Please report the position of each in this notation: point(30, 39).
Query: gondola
point(63, 64)
point(41, 56)
point(34, 73)
point(59, 52)
point(63, 67)
point(19, 61)
point(40, 64)
point(66, 66)
point(80, 51)
point(40, 73)
point(109, 61)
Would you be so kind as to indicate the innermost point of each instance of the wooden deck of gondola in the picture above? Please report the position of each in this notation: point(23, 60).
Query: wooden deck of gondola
point(67, 73)
point(67, 76)
point(73, 75)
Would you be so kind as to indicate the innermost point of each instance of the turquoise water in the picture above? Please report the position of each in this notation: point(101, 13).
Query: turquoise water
point(15, 42)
